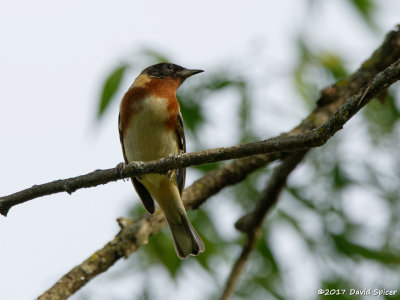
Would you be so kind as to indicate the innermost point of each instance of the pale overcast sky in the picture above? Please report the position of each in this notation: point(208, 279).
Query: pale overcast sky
point(53, 59)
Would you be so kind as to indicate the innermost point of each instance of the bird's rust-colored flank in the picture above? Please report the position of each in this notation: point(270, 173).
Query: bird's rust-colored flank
point(161, 88)
point(131, 104)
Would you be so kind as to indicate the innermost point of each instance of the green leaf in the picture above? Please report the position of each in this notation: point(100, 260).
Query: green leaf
point(339, 178)
point(136, 210)
point(110, 87)
point(382, 117)
point(218, 82)
point(161, 247)
point(246, 191)
point(354, 251)
point(304, 85)
point(295, 224)
point(366, 9)
point(207, 167)
point(264, 249)
point(154, 55)
point(296, 192)
point(215, 245)
point(191, 112)
point(334, 64)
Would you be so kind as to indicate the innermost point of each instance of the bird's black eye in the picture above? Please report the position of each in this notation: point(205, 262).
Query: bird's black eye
point(170, 67)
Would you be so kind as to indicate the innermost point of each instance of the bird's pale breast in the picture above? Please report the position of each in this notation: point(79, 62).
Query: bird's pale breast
point(147, 137)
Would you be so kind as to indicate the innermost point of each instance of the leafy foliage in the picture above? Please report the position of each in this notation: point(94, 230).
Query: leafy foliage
point(382, 117)
point(366, 8)
point(110, 87)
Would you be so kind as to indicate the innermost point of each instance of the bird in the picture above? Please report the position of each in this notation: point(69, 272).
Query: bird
point(151, 127)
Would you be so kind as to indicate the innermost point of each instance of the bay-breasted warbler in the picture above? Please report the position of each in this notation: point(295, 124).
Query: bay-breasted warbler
point(150, 128)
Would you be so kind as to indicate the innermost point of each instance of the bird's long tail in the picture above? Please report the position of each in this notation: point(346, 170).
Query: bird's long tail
point(186, 239)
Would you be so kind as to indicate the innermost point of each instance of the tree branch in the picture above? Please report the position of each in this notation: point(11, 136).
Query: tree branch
point(330, 99)
point(133, 234)
point(251, 222)
point(274, 145)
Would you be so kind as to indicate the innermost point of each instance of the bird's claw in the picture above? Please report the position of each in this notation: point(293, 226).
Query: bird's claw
point(120, 168)
point(170, 174)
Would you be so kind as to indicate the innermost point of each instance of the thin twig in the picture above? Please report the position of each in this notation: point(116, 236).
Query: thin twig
point(251, 223)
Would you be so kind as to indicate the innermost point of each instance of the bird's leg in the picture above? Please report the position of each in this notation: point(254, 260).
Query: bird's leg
point(171, 173)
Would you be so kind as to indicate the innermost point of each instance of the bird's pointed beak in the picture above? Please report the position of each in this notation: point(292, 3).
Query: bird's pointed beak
point(185, 73)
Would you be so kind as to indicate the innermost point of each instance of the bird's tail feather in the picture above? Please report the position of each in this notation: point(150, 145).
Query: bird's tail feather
point(186, 239)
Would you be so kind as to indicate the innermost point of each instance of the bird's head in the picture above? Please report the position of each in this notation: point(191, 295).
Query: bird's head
point(169, 71)
point(163, 78)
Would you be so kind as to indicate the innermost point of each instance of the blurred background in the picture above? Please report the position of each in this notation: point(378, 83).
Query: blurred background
point(64, 67)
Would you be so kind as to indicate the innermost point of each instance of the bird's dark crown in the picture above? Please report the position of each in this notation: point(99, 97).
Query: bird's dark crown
point(163, 70)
